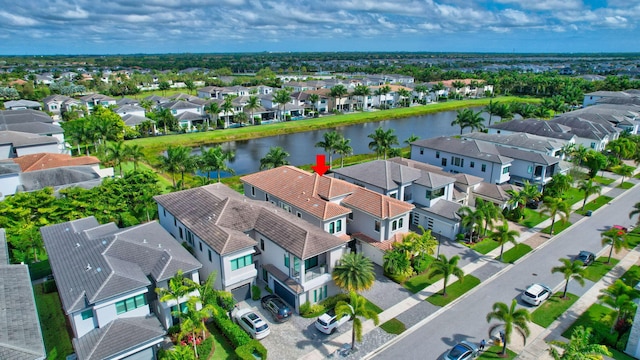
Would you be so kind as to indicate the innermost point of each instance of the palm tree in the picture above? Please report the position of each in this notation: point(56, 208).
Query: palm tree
point(362, 91)
point(117, 153)
point(397, 262)
point(530, 192)
point(382, 141)
point(616, 239)
point(503, 235)
point(624, 171)
point(447, 267)
point(570, 270)
point(579, 347)
point(420, 244)
point(227, 107)
point(353, 272)
point(179, 287)
point(356, 308)
point(489, 211)
point(330, 143)
point(344, 149)
point(252, 105)
point(214, 110)
point(411, 139)
point(215, 159)
point(274, 158)
point(511, 318)
point(337, 92)
point(134, 153)
point(579, 154)
point(385, 90)
point(313, 99)
point(518, 198)
point(471, 220)
point(404, 96)
point(491, 109)
point(462, 119)
point(191, 322)
point(635, 211)
point(281, 98)
point(379, 92)
point(555, 206)
point(620, 297)
point(589, 188)
point(172, 162)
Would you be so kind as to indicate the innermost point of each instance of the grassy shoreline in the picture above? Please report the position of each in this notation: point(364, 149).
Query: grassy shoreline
point(155, 145)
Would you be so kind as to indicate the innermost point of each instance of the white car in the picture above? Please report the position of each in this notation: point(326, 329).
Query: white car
point(536, 294)
point(252, 323)
point(328, 322)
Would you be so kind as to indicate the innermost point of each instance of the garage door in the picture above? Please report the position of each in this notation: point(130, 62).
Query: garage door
point(241, 293)
point(285, 294)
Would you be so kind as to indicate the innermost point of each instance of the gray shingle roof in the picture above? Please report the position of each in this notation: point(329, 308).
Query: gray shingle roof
point(585, 128)
point(117, 337)
point(222, 218)
point(527, 155)
point(469, 148)
point(133, 120)
point(23, 139)
point(444, 208)
point(93, 262)
point(536, 127)
point(381, 173)
point(520, 140)
point(62, 176)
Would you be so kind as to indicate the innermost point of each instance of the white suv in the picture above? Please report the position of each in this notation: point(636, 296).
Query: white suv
point(536, 294)
point(252, 323)
point(328, 322)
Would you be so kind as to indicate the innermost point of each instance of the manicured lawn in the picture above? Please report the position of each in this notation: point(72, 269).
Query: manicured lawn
point(494, 353)
point(53, 323)
point(454, 290)
point(625, 185)
point(632, 276)
point(633, 238)
point(485, 246)
point(596, 271)
point(419, 282)
point(373, 307)
point(619, 355)
point(532, 218)
point(595, 204)
point(557, 227)
point(515, 253)
point(551, 309)
point(39, 270)
point(572, 196)
point(603, 180)
point(596, 315)
point(222, 349)
point(394, 326)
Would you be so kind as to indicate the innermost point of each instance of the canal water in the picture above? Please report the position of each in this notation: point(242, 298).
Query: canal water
point(301, 147)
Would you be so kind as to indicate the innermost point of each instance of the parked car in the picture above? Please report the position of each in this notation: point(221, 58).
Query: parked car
point(277, 307)
point(252, 323)
point(463, 350)
point(536, 294)
point(328, 322)
point(533, 204)
point(586, 257)
point(620, 227)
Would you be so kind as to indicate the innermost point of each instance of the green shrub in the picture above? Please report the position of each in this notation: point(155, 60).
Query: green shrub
point(246, 352)
point(255, 292)
point(330, 302)
point(204, 349)
point(420, 264)
point(173, 330)
point(228, 328)
point(268, 289)
point(49, 287)
point(225, 300)
point(307, 310)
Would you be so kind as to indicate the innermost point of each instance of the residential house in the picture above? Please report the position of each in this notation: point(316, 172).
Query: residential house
point(537, 127)
point(593, 97)
point(590, 134)
point(57, 105)
point(455, 155)
point(14, 144)
point(92, 100)
point(124, 110)
point(210, 92)
point(22, 105)
point(187, 113)
point(20, 332)
point(345, 210)
point(625, 117)
point(107, 277)
point(241, 240)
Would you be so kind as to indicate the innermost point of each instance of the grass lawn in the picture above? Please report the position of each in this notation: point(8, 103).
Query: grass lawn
point(551, 309)
point(373, 307)
point(493, 352)
point(625, 185)
point(632, 276)
point(454, 291)
point(573, 195)
point(394, 326)
point(594, 204)
point(557, 227)
point(596, 271)
point(485, 246)
point(222, 349)
point(53, 323)
point(421, 281)
point(532, 218)
point(603, 180)
point(596, 315)
point(619, 355)
point(515, 253)
point(633, 238)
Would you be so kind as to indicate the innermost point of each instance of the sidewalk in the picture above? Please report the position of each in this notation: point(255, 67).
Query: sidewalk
point(534, 349)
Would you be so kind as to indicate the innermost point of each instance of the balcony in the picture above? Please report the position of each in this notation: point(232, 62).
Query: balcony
point(315, 272)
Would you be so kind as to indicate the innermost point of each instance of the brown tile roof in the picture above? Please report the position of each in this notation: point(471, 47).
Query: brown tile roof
point(43, 161)
point(284, 278)
point(314, 194)
point(385, 245)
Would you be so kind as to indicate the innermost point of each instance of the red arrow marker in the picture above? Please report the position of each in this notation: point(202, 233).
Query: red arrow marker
point(320, 167)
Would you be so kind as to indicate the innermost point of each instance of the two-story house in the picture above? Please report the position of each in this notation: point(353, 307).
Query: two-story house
point(92, 100)
point(464, 156)
point(106, 278)
point(242, 240)
point(338, 207)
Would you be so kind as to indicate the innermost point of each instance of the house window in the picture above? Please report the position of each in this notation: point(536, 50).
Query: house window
point(483, 168)
point(209, 251)
point(444, 162)
point(400, 223)
point(530, 169)
point(456, 161)
point(432, 194)
point(175, 223)
point(311, 263)
point(299, 214)
point(200, 242)
point(180, 232)
point(286, 207)
point(286, 260)
point(164, 212)
point(472, 164)
point(87, 314)
point(437, 154)
point(376, 226)
point(393, 195)
point(253, 191)
point(350, 216)
point(593, 145)
point(239, 263)
point(339, 225)
point(265, 275)
point(266, 197)
point(332, 227)
point(262, 244)
point(394, 225)
point(506, 170)
point(131, 303)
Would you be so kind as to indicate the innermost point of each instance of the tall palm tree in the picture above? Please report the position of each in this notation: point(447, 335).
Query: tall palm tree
point(579, 154)
point(502, 235)
point(382, 141)
point(554, 206)
point(117, 153)
point(589, 188)
point(313, 99)
point(472, 220)
point(623, 170)
point(447, 267)
point(579, 347)
point(570, 270)
point(353, 272)
point(214, 110)
point(462, 118)
point(344, 149)
point(385, 90)
point(491, 109)
point(135, 154)
point(362, 91)
point(620, 297)
point(379, 92)
point(281, 98)
point(227, 107)
point(178, 290)
point(404, 96)
point(252, 104)
point(356, 308)
point(330, 144)
point(215, 159)
point(511, 319)
point(411, 138)
point(191, 322)
point(274, 158)
point(337, 92)
point(172, 162)
point(616, 239)
point(490, 212)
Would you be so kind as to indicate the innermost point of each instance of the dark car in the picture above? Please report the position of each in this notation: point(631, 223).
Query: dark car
point(586, 257)
point(533, 203)
point(278, 308)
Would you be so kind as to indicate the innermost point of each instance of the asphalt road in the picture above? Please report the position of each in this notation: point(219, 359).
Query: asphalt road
point(466, 320)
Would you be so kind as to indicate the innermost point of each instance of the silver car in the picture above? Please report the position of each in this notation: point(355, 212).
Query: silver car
point(328, 322)
point(536, 294)
point(463, 350)
point(252, 323)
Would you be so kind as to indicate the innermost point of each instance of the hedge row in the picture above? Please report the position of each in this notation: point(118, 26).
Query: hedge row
point(241, 341)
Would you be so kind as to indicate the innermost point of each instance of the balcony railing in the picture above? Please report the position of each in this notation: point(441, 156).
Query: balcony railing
point(315, 272)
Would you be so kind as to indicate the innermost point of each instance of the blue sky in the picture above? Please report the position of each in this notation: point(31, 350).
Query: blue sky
point(43, 27)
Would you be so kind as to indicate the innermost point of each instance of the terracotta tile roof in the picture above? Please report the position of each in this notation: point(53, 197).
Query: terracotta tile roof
point(43, 161)
point(378, 205)
point(385, 245)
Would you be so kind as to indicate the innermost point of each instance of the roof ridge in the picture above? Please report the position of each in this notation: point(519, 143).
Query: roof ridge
point(101, 337)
